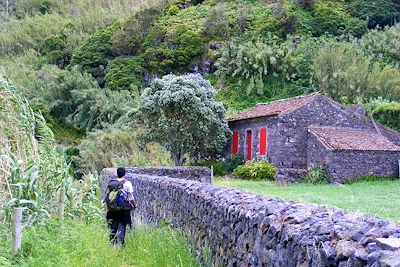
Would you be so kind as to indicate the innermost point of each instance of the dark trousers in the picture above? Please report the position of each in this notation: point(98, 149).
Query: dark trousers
point(117, 232)
point(117, 222)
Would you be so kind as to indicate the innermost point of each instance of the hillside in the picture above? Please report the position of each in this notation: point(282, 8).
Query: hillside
point(84, 64)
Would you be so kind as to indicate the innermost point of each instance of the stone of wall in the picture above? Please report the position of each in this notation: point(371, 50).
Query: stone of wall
point(345, 165)
point(201, 174)
point(286, 176)
point(244, 229)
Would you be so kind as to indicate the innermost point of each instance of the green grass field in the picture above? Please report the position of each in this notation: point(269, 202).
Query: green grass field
point(80, 244)
point(381, 198)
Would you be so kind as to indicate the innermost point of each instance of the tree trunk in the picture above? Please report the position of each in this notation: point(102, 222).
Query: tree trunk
point(178, 157)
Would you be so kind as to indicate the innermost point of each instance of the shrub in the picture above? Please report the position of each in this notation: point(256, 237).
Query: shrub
point(97, 107)
point(127, 39)
point(124, 73)
point(255, 170)
point(327, 19)
point(216, 26)
point(382, 45)
point(55, 48)
point(222, 167)
point(172, 52)
point(306, 4)
point(316, 175)
point(94, 55)
point(173, 10)
point(252, 61)
point(118, 146)
point(388, 114)
point(345, 73)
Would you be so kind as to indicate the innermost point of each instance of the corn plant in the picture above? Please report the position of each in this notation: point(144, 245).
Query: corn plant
point(24, 191)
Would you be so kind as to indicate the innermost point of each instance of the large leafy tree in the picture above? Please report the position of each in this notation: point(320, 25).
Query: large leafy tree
point(180, 113)
point(377, 12)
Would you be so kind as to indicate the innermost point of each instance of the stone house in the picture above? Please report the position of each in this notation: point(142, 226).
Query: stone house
point(296, 133)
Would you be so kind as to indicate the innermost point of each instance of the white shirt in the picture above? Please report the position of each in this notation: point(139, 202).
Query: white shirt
point(127, 187)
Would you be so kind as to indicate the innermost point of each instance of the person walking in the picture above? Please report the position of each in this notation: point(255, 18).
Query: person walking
point(120, 201)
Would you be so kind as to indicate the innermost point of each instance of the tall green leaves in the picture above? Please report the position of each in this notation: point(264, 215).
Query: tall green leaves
point(250, 60)
point(17, 124)
point(33, 169)
point(382, 45)
point(346, 73)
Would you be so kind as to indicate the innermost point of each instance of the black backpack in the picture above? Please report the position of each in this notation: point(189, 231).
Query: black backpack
point(116, 198)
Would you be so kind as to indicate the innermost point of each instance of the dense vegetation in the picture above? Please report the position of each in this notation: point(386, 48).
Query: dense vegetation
point(85, 68)
point(79, 73)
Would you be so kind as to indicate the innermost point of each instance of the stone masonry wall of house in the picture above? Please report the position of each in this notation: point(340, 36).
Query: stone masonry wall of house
point(244, 229)
point(293, 128)
point(345, 165)
point(287, 135)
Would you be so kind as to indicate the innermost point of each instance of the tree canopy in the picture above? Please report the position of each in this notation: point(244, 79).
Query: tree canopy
point(180, 113)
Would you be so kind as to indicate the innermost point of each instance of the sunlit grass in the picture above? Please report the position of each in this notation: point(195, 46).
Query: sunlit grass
point(81, 244)
point(381, 198)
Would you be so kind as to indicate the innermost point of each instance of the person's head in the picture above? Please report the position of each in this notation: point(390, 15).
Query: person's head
point(120, 172)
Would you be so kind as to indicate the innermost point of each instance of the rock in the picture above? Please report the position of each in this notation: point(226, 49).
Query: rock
point(388, 243)
point(373, 257)
point(390, 259)
point(345, 249)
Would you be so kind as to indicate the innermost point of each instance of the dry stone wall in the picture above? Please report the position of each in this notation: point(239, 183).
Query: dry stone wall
point(244, 229)
point(201, 174)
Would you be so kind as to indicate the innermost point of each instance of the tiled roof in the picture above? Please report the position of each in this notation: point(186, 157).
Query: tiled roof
point(336, 138)
point(274, 108)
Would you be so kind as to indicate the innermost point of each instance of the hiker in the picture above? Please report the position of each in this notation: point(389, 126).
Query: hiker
point(120, 201)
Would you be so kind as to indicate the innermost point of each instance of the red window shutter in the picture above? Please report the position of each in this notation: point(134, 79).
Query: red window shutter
point(263, 141)
point(235, 143)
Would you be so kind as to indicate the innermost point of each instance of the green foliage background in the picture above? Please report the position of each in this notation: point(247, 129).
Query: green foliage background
point(85, 68)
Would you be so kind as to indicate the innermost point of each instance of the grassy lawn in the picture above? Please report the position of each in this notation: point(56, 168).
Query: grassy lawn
point(381, 198)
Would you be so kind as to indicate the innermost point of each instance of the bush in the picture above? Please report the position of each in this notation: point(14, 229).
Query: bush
point(316, 175)
point(56, 47)
point(327, 19)
point(94, 55)
point(222, 167)
point(97, 107)
point(252, 61)
point(124, 73)
point(255, 170)
point(388, 114)
point(172, 52)
point(118, 146)
point(216, 27)
point(344, 72)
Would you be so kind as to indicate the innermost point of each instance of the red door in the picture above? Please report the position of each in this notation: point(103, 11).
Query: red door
point(249, 144)
point(235, 143)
